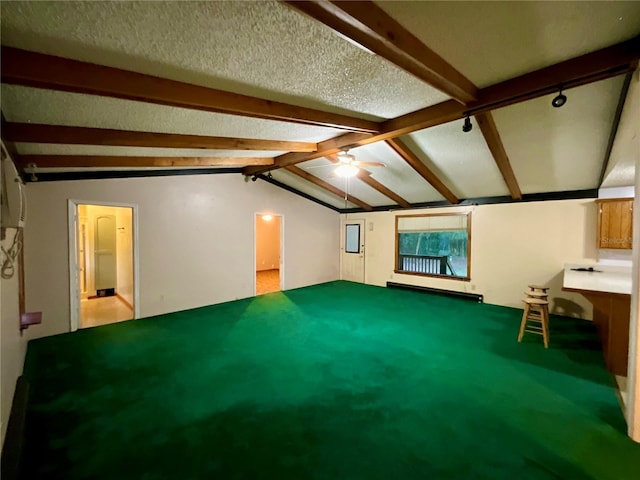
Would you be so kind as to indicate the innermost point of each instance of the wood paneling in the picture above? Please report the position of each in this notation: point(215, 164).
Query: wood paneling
point(611, 316)
point(615, 223)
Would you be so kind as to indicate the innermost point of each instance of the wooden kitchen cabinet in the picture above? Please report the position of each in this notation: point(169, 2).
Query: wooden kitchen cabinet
point(615, 223)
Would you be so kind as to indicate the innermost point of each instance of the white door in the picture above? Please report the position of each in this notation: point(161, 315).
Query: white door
point(352, 247)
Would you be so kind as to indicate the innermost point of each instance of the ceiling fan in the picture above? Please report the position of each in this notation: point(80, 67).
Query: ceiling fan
point(346, 165)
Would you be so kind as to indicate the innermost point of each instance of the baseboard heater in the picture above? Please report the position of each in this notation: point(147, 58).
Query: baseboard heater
point(438, 291)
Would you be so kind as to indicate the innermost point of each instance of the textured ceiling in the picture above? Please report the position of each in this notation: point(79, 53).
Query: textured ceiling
point(270, 51)
point(263, 49)
point(553, 149)
point(22, 104)
point(494, 41)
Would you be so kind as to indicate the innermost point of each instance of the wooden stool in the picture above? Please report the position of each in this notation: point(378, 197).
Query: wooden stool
point(536, 294)
point(538, 288)
point(535, 310)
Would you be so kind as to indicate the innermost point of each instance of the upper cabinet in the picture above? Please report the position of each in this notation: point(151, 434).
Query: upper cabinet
point(615, 223)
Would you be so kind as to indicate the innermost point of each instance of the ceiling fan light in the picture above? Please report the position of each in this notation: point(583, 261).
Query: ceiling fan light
point(345, 157)
point(346, 171)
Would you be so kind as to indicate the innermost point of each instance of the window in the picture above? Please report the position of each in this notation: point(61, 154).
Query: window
point(434, 245)
point(352, 238)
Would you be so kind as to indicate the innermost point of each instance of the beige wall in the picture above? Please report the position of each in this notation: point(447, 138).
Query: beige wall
point(267, 243)
point(13, 345)
point(196, 240)
point(512, 244)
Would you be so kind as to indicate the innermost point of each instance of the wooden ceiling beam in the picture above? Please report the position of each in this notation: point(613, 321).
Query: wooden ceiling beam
point(494, 142)
point(591, 67)
point(69, 161)
point(366, 177)
point(326, 148)
point(60, 134)
point(32, 69)
point(408, 156)
point(327, 186)
point(599, 65)
point(367, 24)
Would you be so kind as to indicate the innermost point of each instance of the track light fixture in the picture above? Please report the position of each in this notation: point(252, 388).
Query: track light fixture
point(254, 178)
point(559, 100)
point(468, 126)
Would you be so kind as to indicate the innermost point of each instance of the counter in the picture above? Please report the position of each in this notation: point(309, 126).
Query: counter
point(604, 278)
point(608, 288)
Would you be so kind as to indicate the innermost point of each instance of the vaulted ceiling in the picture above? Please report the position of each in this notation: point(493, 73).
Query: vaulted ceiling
point(273, 90)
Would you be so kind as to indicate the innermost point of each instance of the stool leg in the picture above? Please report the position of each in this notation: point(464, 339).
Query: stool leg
point(523, 323)
point(545, 325)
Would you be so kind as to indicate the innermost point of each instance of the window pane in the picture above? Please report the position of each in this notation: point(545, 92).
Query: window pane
point(434, 245)
point(352, 240)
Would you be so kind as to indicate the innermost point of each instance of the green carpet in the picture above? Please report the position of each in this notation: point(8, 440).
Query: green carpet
point(334, 381)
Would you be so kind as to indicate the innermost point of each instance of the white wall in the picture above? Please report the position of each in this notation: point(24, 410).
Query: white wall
point(196, 240)
point(267, 243)
point(512, 245)
point(13, 345)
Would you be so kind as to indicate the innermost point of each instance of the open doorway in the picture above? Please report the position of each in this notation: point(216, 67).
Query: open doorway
point(102, 260)
point(269, 276)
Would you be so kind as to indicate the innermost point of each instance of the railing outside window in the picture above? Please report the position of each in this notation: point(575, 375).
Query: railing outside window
point(434, 245)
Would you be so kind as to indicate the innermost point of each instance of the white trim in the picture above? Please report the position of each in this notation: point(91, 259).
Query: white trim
point(74, 294)
point(363, 243)
point(74, 288)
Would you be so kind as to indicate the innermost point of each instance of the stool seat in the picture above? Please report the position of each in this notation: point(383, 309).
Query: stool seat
point(542, 288)
point(535, 319)
point(538, 295)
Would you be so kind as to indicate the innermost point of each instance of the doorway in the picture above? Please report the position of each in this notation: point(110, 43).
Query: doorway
point(268, 258)
point(102, 263)
point(352, 247)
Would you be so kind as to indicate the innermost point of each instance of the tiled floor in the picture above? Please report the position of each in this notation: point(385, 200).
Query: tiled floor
point(102, 311)
point(267, 281)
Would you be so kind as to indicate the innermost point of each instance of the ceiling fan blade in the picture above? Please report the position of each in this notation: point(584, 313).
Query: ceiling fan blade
point(369, 164)
point(319, 166)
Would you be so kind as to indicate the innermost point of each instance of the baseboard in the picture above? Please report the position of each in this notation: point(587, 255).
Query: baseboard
point(14, 438)
point(438, 291)
point(122, 299)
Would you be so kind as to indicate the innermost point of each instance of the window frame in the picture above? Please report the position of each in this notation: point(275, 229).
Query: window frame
point(396, 269)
